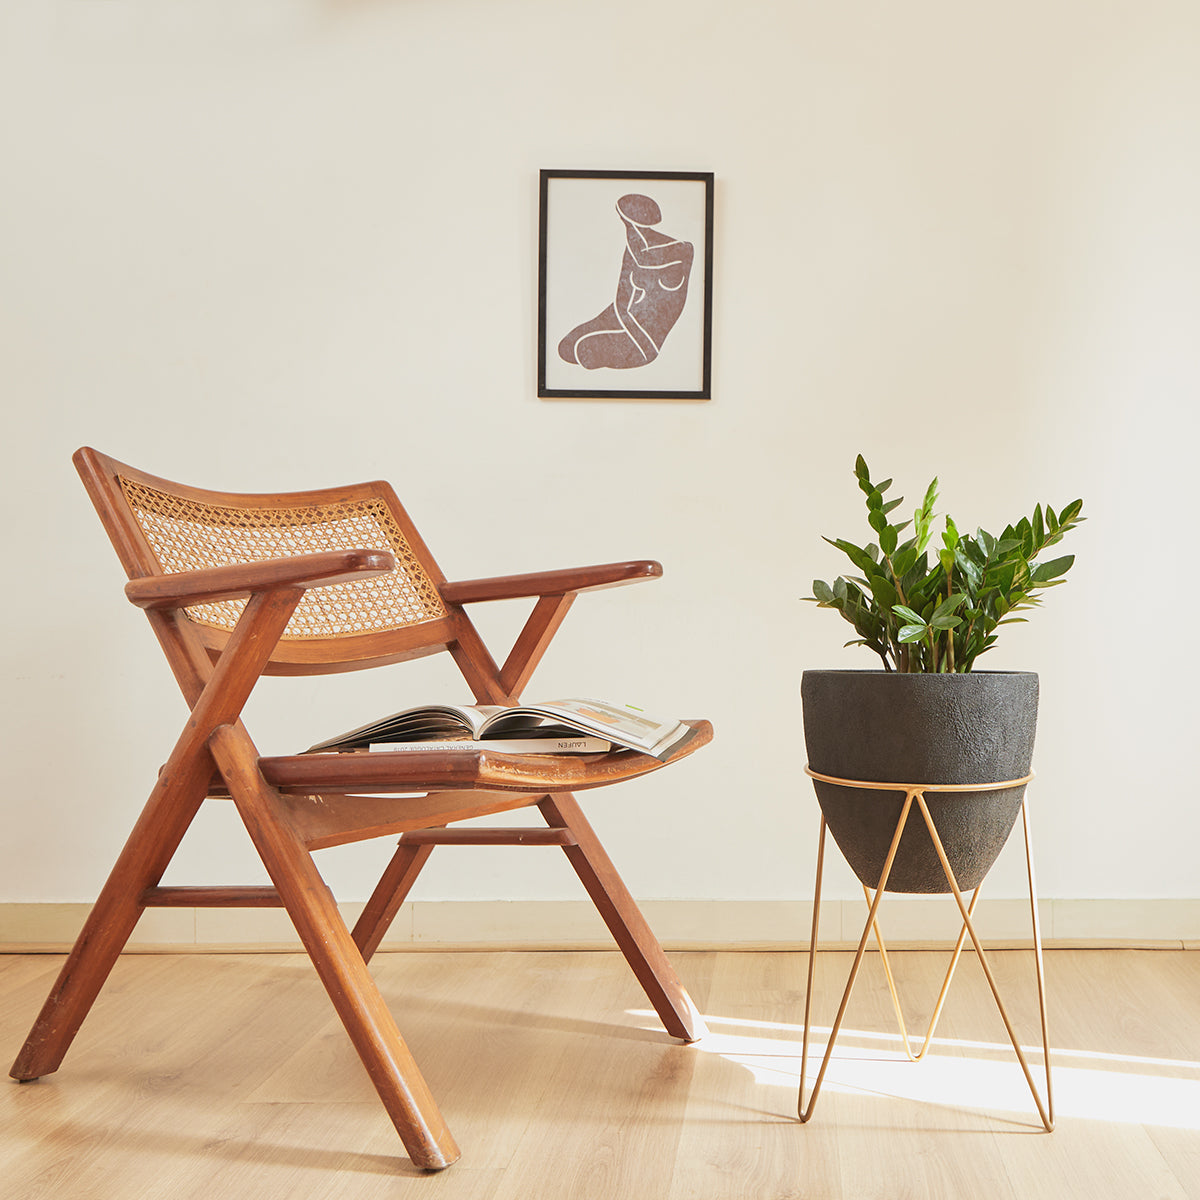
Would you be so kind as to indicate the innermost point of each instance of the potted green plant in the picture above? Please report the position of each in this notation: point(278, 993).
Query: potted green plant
point(928, 716)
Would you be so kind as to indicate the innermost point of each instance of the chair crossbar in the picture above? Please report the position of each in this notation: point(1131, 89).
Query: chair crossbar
point(211, 897)
point(519, 835)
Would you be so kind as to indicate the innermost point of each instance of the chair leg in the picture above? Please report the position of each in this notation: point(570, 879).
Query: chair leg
point(313, 910)
point(216, 695)
point(624, 919)
point(389, 894)
point(167, 814)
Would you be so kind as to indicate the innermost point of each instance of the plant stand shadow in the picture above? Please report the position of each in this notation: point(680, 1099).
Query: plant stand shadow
point(914, 796)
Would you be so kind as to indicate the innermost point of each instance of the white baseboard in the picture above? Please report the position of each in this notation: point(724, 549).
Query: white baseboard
point(679, 924)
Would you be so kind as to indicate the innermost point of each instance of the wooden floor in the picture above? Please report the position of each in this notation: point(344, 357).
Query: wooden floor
point(218, 1077)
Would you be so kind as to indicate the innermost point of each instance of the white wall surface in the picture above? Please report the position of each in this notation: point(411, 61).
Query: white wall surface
point(293, 243)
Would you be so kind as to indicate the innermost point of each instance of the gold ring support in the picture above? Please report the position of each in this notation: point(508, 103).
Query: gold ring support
point(914, 795)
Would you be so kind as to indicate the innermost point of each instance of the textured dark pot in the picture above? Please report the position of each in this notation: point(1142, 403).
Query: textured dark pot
point(885, 727)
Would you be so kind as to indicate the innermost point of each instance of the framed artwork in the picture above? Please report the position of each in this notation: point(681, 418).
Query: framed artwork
point(625, 285)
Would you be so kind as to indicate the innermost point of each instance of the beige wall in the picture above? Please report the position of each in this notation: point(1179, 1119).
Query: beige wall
point(292, 243)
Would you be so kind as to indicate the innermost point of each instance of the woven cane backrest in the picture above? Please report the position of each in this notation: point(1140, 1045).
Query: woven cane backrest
point(186, 534)
point(159, 527)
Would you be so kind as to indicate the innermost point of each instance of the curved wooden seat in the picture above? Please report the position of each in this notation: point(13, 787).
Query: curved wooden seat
point(377, 771)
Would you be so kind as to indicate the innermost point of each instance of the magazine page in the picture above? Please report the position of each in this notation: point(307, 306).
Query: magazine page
point(413, 724)
point(621, 725)
point(624, 724)
point(544, 740)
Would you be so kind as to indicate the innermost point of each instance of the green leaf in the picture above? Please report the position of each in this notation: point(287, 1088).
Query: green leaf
point(887, 539)
point(884, 593)
point(1000, 576)
point(916, 573)
point(902, 610)
point(949, 605)
point(1053, 569)
point(972, 549)
point(864, 475)
point(857, 555)
point(911, 633)
point(823, 593)
point(937, 622)
point(972, 569)
point(904, 561)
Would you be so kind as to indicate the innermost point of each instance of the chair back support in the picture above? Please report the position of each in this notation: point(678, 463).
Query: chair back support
point(160, 527)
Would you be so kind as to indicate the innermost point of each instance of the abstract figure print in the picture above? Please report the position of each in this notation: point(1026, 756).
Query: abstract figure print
point(651, 292)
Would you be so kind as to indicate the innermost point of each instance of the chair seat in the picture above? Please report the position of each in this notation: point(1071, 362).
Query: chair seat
point(381, 771)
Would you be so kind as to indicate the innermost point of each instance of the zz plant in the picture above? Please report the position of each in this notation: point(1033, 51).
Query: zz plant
point(934, 613)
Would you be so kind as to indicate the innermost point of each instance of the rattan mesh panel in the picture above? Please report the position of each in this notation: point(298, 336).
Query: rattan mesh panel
point(186, 535)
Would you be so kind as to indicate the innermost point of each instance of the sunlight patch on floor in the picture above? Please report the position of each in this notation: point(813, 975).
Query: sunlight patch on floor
point(984, 1076)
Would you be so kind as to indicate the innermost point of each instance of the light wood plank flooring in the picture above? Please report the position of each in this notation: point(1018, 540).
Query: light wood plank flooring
point(217, 1077)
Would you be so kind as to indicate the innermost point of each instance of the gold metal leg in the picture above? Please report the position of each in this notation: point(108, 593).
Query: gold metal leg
point(1043, 1112)
point(941, 1000)
point(812, 963)
point(806, 1113)
point(1048, 1114)
point(967, 911)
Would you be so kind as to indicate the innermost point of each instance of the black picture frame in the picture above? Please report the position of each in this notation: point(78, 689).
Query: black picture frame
point(654, 339)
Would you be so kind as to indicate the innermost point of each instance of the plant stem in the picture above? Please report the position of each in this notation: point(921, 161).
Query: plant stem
point(899, 649)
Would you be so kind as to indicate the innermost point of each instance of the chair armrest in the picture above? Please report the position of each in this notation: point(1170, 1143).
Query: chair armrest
point(243, 579)
point(550, 583)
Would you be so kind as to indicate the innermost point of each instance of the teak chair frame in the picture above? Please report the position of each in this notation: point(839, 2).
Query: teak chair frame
point(914, 797)
point(224, 617)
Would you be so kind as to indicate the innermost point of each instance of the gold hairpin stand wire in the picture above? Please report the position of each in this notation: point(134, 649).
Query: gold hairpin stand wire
point(915, 794)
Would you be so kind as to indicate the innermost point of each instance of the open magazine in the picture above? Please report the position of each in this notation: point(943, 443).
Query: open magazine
point(554, 727)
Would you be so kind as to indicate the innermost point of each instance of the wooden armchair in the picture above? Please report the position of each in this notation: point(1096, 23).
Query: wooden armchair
point(237, 586)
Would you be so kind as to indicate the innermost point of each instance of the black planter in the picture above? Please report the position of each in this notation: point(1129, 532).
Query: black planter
point(886, 727)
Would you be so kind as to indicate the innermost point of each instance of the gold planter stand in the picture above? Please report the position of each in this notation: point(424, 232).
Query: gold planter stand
point(915, 793)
